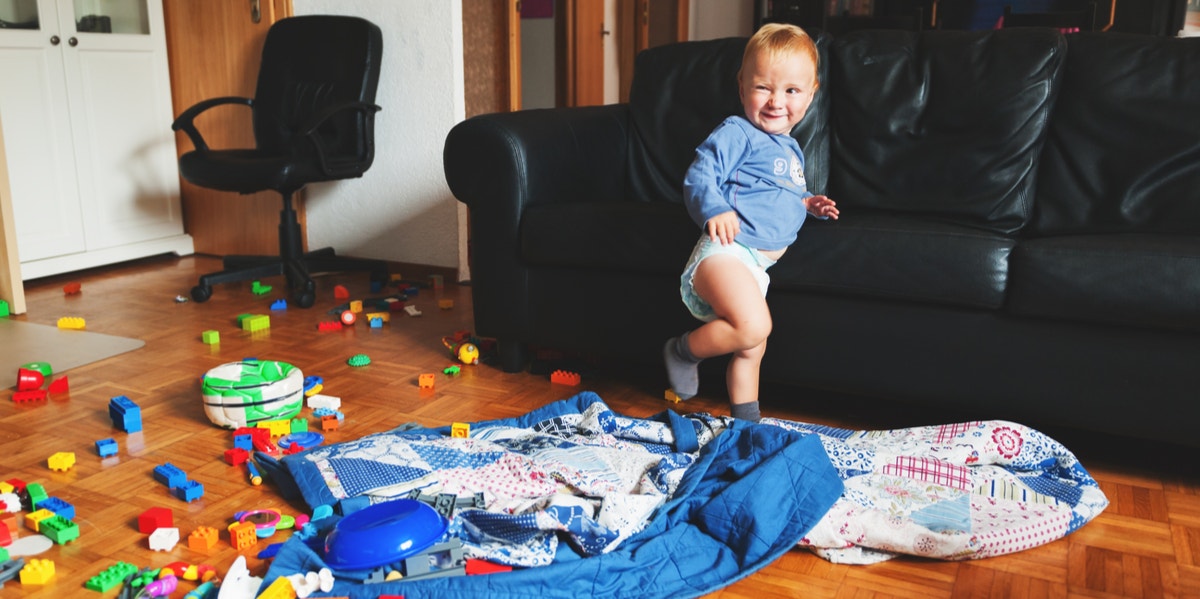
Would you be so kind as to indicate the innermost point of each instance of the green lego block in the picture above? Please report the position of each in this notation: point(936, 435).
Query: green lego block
point(299, 425)
point(211, 337)
point(37, 493)
point(59, 529)
point(110, 577)
point(3, 308)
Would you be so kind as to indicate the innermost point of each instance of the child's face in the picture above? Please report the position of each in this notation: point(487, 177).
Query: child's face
point(776, 94)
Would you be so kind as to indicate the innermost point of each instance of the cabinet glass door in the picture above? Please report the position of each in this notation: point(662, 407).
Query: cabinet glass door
point(112, 16)
point(18, 14)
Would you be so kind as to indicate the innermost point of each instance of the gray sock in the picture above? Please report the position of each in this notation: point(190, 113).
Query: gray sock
point(682, 367)
point(745, 411)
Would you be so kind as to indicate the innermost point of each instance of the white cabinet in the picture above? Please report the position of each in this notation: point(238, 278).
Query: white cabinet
point(85, 102)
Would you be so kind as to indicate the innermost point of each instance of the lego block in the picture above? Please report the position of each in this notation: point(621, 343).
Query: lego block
point(34, 494)
point(72, 322)
point(189, 491)
point(58, 506)
point(37, 571)
point(460, 430)
point(3, 308)
point(299, 425)
point(6, 538)
point(425, 381)
point(437, 281)
point(164, 539)
point(412, 310)
point(110, 577)
point(281, 588)
point(476, 567)
point(203, 538)
point(340, 292)
point(384, 316)
point(106, 447)
point(329, 326)
point(670, 396)
point(29, 396)
point(279, 304)
point(61, 461)
point(446, 304)
point(330, 402)
point(59, 385)
point(211, 337)
point(125, 414)
point(564, 377)
point(29, 379)
point(59, 529)
point(242, 535)
point(276, 428)
point(375, 323)
point(257, 288)
point(33, 520)
point(154, 519)
point(256, 322)
point(169, 475)
point(6, 487)
point(329, 423)
point(236, 456)
point(243, 441)
point(356, 306)
point(72, 288)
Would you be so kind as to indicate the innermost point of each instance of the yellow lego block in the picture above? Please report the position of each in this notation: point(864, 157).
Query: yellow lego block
point(460, 429)
point(384, 316)
point(278, 428)
point(33, 520)
point(672, 397)
point(6, 488)
point(446, 304)
point(37, 571)
point(71, 322)
point(61, 461)
point(256, 322)
point(356, 306)
point(280, 589)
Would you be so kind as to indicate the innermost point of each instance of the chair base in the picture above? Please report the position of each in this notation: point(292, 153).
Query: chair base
point(297, 271)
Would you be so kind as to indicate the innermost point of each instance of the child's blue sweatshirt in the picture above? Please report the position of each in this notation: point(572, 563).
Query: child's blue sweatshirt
point(760, 175)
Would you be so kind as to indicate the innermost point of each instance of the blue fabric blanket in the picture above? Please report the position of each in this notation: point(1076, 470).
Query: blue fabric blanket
point(724, 505)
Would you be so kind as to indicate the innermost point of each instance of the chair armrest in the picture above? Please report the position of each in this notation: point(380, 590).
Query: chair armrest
point(185, 120)
point(308, 129)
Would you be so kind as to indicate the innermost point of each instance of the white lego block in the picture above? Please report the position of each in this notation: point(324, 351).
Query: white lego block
point(164, 539)
point(324, 401)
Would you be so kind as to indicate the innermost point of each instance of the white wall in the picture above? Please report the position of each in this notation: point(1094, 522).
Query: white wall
point(715, 19)
point(401, 209)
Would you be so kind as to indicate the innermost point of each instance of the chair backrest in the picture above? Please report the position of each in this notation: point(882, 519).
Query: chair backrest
point(309, 64)
point(1068, 21)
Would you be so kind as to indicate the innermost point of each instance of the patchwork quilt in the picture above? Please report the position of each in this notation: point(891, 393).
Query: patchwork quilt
point(583, 501)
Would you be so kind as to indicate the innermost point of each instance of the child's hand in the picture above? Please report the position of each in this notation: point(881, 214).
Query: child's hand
point(724, 227)
point(821, 206)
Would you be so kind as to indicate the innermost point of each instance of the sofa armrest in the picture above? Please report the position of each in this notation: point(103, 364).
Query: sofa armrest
point(501, 164)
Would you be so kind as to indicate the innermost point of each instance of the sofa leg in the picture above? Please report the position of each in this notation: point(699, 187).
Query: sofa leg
point(513, 355)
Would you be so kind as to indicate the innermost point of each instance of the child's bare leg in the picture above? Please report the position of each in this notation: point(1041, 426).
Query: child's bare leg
point(741, 328)
point(741, 378)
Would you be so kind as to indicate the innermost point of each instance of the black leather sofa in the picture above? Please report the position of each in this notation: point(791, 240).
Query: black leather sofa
point(1020, 231)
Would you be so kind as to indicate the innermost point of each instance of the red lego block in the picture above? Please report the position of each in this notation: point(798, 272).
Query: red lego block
point(154, 519)
point(28, 396)
point(329, 326)
point(29, 379)
point(563, 377)
point(72, 288)
point(236, 456)
point(476, 567)
point(59, 385)
point(340, 292)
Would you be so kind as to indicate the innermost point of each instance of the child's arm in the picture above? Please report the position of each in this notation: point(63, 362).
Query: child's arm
point(724, 227)
point(821, 207)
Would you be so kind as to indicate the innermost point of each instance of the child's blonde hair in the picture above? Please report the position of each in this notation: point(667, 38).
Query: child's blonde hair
point(777, 40)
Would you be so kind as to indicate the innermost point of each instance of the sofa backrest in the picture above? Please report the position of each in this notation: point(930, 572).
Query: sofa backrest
point(1123, 153)
point(680, 93)
point(946, 123)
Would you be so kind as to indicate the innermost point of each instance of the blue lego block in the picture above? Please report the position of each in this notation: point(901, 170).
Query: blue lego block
point(279, 304)
point(106, 447)
point(58, 506)
point(376, 323)
point(243, 442)
point(125, 414)
point(169, 475)
point(189, 491)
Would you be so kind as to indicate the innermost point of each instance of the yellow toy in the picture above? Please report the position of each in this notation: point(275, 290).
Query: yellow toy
point(467, 353)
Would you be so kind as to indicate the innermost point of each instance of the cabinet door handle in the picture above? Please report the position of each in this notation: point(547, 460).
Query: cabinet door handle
point(54, 40)
point(72, 42)
point(255, 11)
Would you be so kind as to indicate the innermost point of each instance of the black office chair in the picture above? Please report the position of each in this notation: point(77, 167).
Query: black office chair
point(313, 116)
point(1067, 21)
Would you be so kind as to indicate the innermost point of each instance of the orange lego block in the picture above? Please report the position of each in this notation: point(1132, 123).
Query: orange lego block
point(425, 381)
point(242, 535)
point(202, 539)
point(329, 423)
point(563, 377)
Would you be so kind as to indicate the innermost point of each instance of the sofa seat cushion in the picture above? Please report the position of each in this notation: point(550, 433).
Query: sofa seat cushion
point(878, 255)
point(1134, 279)
point(645, 237)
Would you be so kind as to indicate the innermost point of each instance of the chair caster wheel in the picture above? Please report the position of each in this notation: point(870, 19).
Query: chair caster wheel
point(305, 299)
point(201, 293)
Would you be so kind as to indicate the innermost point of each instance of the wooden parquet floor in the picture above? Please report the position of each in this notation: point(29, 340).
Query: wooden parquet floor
point(1147, 543)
